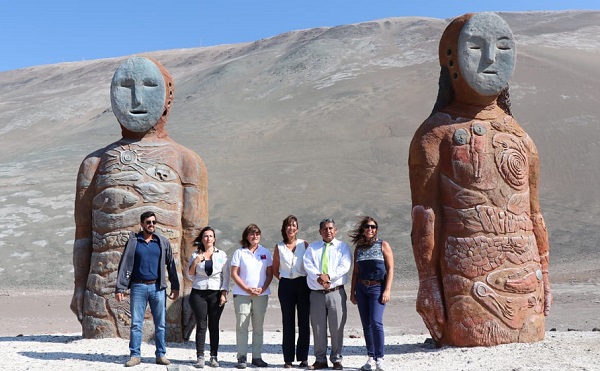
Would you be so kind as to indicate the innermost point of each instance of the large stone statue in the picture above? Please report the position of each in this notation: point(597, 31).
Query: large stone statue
point(478, 236)
point(143, 171)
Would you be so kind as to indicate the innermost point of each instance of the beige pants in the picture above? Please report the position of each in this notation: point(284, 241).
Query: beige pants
point(249, 308)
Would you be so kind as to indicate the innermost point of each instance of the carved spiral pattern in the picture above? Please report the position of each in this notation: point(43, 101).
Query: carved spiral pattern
point(128, 157)
point(511, 160)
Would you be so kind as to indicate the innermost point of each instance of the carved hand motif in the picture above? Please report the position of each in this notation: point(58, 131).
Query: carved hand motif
point(77, 303)
point(547, 295)
point(431, 307)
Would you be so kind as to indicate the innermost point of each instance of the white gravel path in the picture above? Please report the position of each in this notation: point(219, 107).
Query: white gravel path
point(573, 350)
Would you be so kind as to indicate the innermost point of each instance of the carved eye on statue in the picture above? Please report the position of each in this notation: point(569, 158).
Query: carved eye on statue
point(461, 137)
point(479, 129)
point(505, 43)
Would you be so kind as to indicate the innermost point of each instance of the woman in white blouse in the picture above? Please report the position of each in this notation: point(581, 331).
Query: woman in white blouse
point(209, 271)
point(293, 293)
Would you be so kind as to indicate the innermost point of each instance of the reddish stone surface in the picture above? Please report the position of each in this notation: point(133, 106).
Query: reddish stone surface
point(478, 235)
point(143, 171)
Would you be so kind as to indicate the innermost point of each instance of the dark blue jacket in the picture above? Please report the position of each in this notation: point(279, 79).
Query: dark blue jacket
point(166, 261)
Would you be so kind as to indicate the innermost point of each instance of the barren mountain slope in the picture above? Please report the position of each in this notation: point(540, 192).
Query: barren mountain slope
point(313, 122)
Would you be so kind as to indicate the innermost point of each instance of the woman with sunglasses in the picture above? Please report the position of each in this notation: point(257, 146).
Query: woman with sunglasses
point(371, 286)
point(209, 271)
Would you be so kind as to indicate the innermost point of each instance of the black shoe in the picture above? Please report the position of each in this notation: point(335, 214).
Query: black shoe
point(338, 366)
point(288, 365)
point(317, 366)
point(241, 363)
point(258, 362)
point(303, 364)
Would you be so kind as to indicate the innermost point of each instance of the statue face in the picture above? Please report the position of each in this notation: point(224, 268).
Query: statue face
point(486, 53)
point(137, 94)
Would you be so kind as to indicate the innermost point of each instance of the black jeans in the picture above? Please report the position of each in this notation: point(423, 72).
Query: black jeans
point(205, 305)
point(294, 294)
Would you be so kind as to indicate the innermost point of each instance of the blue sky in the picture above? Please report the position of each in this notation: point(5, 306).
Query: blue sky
point(34, 32)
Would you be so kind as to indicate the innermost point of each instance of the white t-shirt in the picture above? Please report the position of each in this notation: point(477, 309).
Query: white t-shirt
point(252, 268)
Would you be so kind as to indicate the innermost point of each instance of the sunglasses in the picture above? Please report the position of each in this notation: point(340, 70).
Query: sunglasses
point(151, 222)
point(370, 226)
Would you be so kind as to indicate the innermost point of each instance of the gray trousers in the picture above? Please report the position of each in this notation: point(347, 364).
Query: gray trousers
point(328, 309)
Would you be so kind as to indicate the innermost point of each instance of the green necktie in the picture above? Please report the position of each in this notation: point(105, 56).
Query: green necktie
point(325, 259)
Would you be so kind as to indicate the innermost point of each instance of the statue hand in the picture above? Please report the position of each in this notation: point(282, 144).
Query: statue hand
point(77, 303)
point(431, 307)
point(547, 295)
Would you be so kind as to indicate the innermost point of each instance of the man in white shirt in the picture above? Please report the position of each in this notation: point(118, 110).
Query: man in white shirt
point(327, 264)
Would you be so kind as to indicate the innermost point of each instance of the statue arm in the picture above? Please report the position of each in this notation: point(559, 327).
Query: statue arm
point(539, 228)
point(427, 250)
point(82, 248)
point(194, 217)
point(195, 205)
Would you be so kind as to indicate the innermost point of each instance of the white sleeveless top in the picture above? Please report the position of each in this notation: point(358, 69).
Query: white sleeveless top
point(291, 262)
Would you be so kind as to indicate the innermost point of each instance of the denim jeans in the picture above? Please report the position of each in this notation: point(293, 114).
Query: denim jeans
point(371, 315)
point(140, 295)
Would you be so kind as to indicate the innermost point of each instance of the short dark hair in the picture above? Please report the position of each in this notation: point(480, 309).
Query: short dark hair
point(325, 221)
point(287, 221)
point(146, 215)
point(252, 228)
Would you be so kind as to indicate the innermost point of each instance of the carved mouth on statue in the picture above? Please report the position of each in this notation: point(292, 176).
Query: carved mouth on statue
point(490, 72)
point(138, 112)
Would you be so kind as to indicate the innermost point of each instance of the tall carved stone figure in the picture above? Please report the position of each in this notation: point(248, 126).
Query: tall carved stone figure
point(478, 235)
point(143, 171)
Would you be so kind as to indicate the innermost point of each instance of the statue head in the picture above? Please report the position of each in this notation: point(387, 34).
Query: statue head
point(477, 55)
point(141, 93)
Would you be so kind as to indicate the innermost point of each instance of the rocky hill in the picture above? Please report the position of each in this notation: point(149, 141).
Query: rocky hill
point(314, 123)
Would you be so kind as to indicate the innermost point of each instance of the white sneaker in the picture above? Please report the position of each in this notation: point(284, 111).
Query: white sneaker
point(380, 365)
point(369, 366)
point(200, 362)
point(214, 362)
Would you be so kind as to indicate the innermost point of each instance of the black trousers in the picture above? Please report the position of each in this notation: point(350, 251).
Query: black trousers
point(294, 297)
point(205, 305)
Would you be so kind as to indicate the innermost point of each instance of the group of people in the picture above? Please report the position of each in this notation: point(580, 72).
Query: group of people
point(312, 279)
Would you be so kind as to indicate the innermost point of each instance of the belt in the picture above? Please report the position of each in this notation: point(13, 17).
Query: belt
point(146, 282)
point(369, 282)
point(330, 290)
